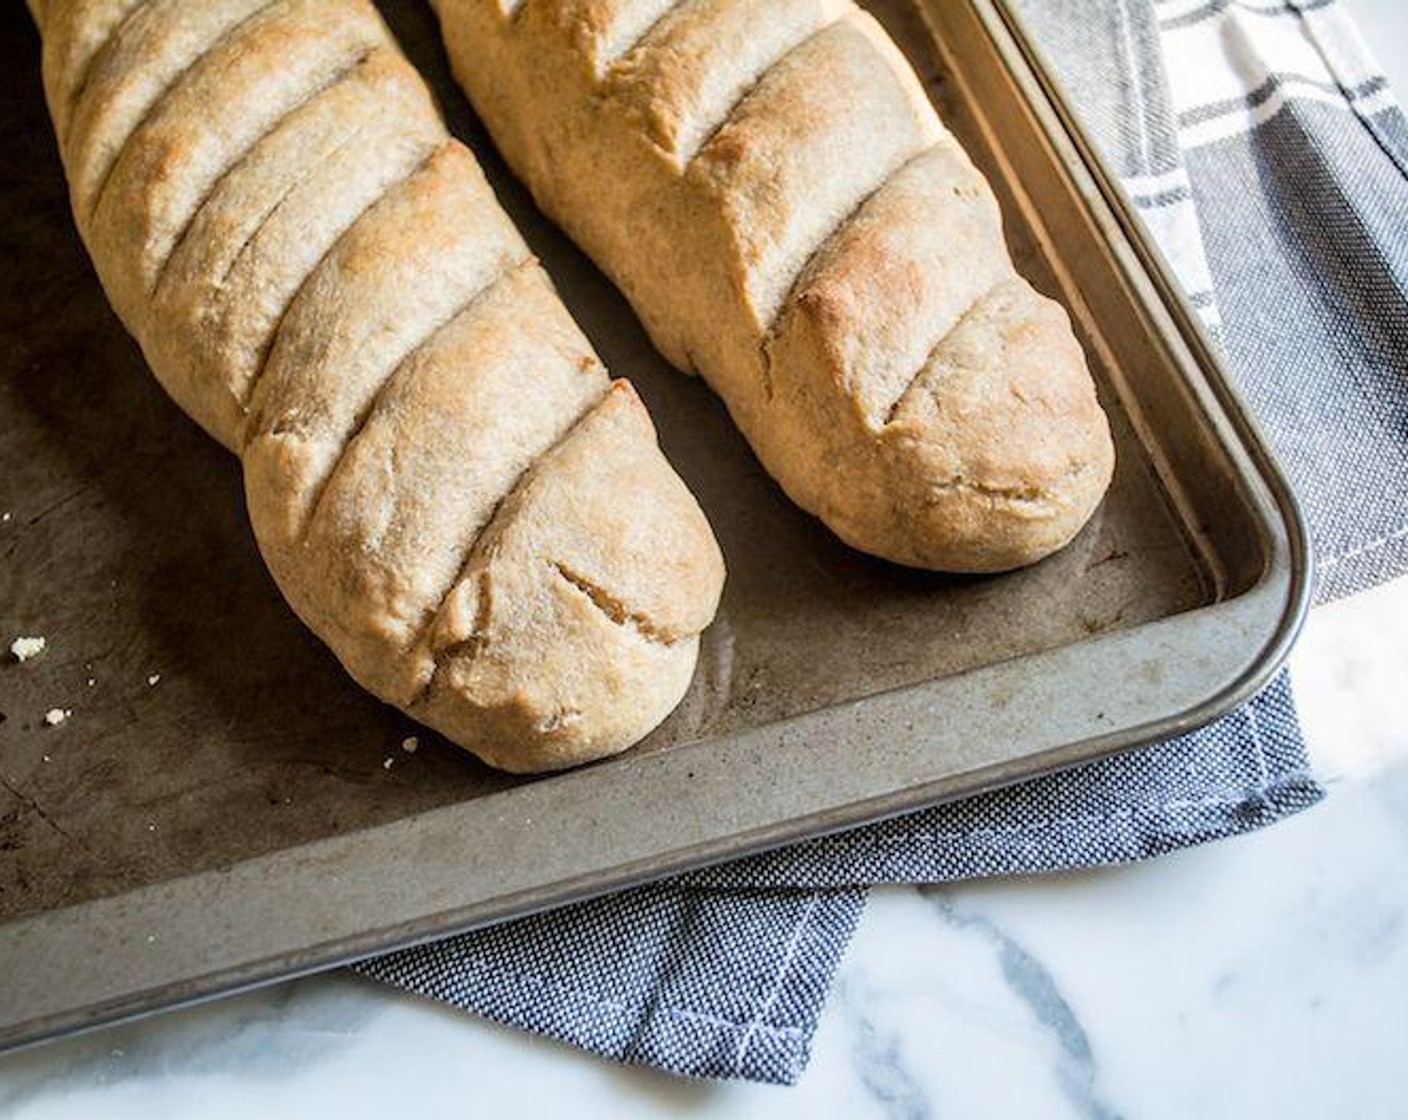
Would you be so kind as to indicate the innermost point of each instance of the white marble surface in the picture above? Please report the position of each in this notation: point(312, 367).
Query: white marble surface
point(1262, 976)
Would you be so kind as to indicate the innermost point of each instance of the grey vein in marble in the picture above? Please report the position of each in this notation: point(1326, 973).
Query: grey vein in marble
point(877, 1054)
point(1034, 985)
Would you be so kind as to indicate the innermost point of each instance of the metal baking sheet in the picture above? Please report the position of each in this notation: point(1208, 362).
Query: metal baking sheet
point(219, 809)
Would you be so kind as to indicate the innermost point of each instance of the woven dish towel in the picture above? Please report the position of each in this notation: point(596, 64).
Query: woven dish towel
point(1267, 157)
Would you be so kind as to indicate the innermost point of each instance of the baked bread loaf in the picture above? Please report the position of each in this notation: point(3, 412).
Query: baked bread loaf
point(444, 481)
point(771, 188)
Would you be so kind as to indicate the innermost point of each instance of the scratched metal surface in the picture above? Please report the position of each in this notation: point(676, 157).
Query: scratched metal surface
point(127, 548)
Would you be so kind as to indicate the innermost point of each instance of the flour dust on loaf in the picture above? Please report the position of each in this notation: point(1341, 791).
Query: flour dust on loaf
point(445, 482)
point(771, 188)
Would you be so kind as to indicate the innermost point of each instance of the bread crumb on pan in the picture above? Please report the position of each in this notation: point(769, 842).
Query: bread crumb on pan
point(23, 649)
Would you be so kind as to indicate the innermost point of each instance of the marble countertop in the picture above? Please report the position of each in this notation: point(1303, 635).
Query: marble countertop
point(1261, 976)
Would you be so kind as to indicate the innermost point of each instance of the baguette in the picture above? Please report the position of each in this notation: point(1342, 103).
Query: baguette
point(434, 458)
point(771, 188)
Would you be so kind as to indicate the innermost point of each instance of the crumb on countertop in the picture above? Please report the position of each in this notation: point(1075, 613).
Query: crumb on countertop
point(5, 516)
point(55, 716)
point(22, 649)
point(386, 763)
point(153, 679)
point(410, 744)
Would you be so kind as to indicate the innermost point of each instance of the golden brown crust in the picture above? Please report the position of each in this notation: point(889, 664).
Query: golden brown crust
point(682, 79)
point(771, 170)
point(771, 188)
point(433, 454)
point(543, 587)
point(260, 233)
point(128, 75)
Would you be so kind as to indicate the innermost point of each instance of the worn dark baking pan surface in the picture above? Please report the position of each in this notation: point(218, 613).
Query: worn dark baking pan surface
point(224, 805)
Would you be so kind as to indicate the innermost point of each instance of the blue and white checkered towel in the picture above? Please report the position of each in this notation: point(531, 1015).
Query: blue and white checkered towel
point(1268, 158)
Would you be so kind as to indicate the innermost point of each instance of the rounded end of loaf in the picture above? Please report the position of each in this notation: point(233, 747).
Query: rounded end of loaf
point(571, 630)
point(611, 698)
point(1000, 453)
point(576, 633)
point(993, 458)
point(976, 528)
